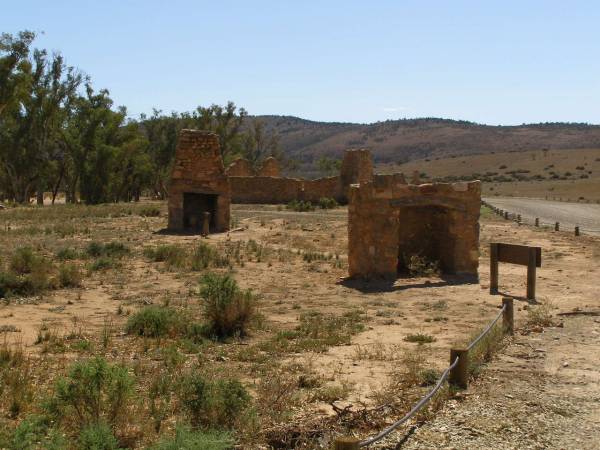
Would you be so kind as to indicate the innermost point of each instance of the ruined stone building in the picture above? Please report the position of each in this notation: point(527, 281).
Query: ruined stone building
point(389, 221)
point(198, 184)
point(268, 186)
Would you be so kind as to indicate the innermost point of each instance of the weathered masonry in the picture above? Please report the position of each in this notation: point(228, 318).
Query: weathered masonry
point(389, 221)
point(268, 186)
point(198, 184)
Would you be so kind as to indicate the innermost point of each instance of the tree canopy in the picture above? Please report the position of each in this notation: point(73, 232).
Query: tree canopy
point(60, 134)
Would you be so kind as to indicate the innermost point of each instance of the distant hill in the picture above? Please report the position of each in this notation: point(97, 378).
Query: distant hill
point(400, 141)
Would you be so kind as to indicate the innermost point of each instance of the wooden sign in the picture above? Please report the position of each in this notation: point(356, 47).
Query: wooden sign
point(515, 254)
point(518, 254)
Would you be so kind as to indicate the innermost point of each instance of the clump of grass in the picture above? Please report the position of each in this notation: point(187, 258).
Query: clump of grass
point(185, 438)
point(205, 255)
point(28, 274)
point(108, 250)
point(213, 403)
point(419, 338)
point(149, 211)
point(153, 321)
point(67, 254)
point(317, 332)
point(540, 315)
point(300, 206)
point(227, 309)
point(103, 263)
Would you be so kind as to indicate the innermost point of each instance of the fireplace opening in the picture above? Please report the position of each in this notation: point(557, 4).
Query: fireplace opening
point(424, 232)
point(194, 207)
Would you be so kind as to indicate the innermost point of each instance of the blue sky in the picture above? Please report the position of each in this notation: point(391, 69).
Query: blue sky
point(496, 62)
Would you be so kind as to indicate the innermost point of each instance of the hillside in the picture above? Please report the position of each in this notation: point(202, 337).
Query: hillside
point(398, 141)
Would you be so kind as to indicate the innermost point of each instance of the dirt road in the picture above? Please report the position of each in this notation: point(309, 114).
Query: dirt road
point(585, 215)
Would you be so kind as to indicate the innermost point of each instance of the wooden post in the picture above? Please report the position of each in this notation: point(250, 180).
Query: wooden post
point(537, 221)
point(531, 274)
point(576, 231)
point(519, 219)
point(205, 223)
point(506, 215)
point(346, 443)
point(493, 268)
point(508, 317)
point(556, 226)
point(459, 376)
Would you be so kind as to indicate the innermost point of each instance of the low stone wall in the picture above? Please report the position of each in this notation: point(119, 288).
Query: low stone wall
point(277, 190)
point(270, 190)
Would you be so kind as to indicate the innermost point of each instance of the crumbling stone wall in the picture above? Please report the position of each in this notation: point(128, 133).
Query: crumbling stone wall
point(389, 220)
point(198, 178)
point(241, 167)
point(269, 168)
point(357, 167)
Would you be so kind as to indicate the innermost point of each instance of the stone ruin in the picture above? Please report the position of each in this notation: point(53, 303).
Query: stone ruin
point(268, 186)
point(269, 168)
point(199, 191)
point(389, 221)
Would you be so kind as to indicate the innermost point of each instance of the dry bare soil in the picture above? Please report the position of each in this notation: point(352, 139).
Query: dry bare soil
point(326, 356)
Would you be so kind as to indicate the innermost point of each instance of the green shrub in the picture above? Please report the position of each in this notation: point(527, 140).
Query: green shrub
point(327, 203)
point(35, 432)
point(174, 256)
point(213, 403)
point(205, 255)
point(300, 206)
point(419, 338)
point(94, 391)
point(110, 250)
point(25, 261)
point(103, 263)
point(67, 254)
point(196, 440)
point(152, 321)
point(227, 309)
point(97, 436)
point(11, 284)
point(69, 275)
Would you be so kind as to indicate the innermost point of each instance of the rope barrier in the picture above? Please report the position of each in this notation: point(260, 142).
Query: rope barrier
point(487, 329)
point(431, 393)
point(413, 411)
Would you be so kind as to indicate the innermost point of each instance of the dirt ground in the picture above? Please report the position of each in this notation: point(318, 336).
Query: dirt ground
point(553, 373)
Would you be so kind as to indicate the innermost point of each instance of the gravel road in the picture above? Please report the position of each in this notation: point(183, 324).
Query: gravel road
point(587, 216)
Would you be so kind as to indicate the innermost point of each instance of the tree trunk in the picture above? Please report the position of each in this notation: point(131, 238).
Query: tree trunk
point(40, 197)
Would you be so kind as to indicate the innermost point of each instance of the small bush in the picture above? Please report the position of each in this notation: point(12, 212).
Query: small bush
point(69, 275)
point(213, 403)
point(35, 432)
point(94, 391)
point(196, 440)
point(25, 261)
point(300, 206)
point(327, 203)
point(152, 321)
point(110, 250)
point(67, 254)
point(227, 309)
point(103, 263)
point(97, 436)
